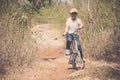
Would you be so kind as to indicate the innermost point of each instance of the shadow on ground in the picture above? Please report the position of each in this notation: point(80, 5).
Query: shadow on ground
point(47, 59)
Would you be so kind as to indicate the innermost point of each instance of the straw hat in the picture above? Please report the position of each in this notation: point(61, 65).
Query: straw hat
point(73, 10)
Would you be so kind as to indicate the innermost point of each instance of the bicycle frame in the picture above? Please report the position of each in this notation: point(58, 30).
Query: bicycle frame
point(75, 56)
point(74, 46)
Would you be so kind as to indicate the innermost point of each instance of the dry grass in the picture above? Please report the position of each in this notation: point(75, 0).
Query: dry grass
point(94, 43)
point(16, 50)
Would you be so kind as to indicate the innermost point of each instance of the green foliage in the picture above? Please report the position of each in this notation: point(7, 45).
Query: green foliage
point(20, 11)
point(117, 10)
point(36, 3)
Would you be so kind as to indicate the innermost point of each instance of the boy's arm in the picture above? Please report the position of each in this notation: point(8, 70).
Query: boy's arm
point(66, 30)
point(80, 24)
point(66, 27)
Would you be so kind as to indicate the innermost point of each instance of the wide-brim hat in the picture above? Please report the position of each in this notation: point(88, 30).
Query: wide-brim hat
point(73, 10)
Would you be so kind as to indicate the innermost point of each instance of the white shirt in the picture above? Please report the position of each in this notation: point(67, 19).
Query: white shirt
point(73, 25)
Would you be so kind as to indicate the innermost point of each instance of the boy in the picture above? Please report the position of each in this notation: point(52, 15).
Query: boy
point(73, 24)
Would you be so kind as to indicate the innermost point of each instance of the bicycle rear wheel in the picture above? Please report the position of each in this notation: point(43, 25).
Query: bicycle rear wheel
point(80, 60)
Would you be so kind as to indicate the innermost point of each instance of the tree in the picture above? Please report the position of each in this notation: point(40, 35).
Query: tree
point(50, 2)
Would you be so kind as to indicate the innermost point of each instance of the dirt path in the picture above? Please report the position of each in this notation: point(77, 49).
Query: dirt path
point(54, 64)
point(50, 50)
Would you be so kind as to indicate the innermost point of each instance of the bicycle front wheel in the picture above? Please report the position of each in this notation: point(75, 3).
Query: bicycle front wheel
point(74, 64)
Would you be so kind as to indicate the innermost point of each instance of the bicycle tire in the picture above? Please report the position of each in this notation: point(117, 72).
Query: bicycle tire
point(81, 60)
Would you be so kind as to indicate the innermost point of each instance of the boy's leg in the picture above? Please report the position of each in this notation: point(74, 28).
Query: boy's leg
point(79, 45)
point(68, 43)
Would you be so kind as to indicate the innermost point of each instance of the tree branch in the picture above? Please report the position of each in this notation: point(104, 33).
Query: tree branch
point(90, 13)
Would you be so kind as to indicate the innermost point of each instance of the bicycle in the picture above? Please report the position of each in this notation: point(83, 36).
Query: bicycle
point(75, 56)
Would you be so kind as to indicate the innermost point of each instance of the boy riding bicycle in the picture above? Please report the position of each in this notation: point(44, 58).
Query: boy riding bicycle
point(73, 24)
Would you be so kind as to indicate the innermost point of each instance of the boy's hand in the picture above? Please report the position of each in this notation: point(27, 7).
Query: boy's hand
point(80, 28)
point(64, 34)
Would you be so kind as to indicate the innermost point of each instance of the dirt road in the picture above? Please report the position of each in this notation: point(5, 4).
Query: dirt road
point(51, 51)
